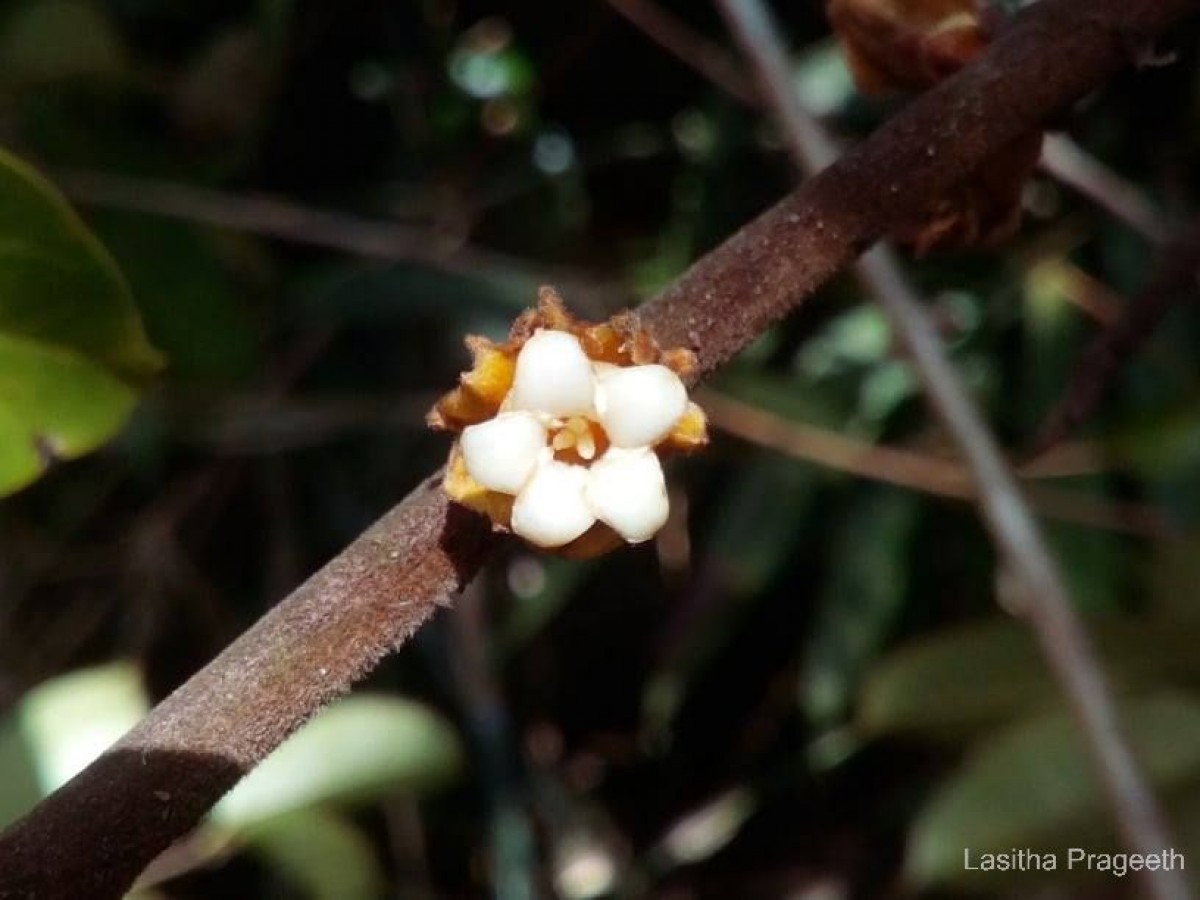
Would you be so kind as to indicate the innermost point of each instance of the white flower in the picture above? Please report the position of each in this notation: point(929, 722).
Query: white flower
point(554, 376)
point(639, 406)
point(542, 448)
point(552, 508)
point(502, 452)
point(627, 490)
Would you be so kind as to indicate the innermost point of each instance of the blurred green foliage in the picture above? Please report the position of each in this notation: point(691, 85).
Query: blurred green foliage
point(69, 333)
point(358, 750)
point(805, 685)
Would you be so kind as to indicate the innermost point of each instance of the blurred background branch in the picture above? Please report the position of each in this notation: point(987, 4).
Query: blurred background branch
point(1044, 601)
point(939, 475)
point(1176, 281)
point(273, 217)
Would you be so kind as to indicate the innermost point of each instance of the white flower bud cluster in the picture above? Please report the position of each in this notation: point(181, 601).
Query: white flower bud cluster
point(557, 393)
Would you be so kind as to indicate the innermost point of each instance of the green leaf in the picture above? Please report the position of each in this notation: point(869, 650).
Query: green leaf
point(70, 720)
point(54, 404)
point(358, 749)
point(322, 854)
point(19, 789)
point(200, 321)
point(978, 676)
point(49, 40)
point(58, 284)
point(68, 332)
point(1032, 787)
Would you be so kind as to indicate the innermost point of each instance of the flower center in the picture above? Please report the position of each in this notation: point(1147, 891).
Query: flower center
point(578, 440)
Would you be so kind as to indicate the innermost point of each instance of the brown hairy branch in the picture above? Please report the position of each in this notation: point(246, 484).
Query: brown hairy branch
point(1041, 589)
point(91, 837)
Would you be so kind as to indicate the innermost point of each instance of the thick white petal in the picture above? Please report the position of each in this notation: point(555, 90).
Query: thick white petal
point(501, 453)
point(553, 376)
point(627, 492)
point(638, 406)
point(551, 509)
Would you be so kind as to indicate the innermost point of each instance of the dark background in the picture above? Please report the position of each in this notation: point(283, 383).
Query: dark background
point(724, 669)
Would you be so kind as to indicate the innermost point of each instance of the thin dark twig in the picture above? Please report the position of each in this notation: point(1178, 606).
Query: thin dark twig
point(268, 216)
point(1177, 279)
point(287, 220)
point(1044, 600)
point(92, 836)
point(697, 52)
point(919, 472)
point(1046, 604)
